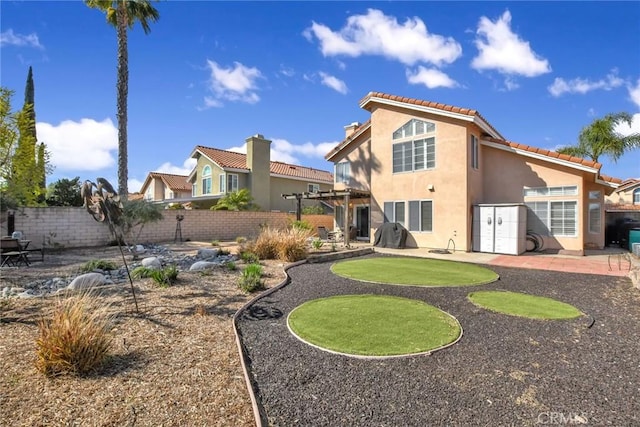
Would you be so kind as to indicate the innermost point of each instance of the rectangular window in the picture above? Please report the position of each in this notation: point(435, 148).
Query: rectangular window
point(594, 218)
point(563, 218)
point(474, 152)
point(570, 190)
point(538, 217)
point(420, 215)
point(206, 185)
point(636, 197)
point(394, 212)
point(342, 172)
point(313, 188)
point(228, 183)
point(414, 155)
point(594, 195)
point(194, 189)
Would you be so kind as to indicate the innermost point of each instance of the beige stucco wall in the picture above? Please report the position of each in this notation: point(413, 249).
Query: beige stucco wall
point(448, 178)
point(622, 197)
point(361, 163)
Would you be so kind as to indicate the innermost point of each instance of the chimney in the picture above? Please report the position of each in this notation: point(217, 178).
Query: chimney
point(259, 163)
point(350, 129)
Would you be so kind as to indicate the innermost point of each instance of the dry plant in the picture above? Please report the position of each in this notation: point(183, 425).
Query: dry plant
point(76, 338)
point(286, 245)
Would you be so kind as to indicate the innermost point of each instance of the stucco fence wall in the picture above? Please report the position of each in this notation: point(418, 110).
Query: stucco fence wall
point(68, 227)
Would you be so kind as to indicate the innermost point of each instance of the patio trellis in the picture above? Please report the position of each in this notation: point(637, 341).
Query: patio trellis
point(347, 195)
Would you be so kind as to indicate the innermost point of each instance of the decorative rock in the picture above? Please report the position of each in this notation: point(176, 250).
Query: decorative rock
point(5, 291)
point(140, 249)
point(203, 265)
point(207, 253)
point(86, 281)
point(152, 263)
point(26, 294)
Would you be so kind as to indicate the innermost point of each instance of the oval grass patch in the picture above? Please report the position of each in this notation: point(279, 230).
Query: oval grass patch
point(414, 271)
point(373, 325)
point(524, 305)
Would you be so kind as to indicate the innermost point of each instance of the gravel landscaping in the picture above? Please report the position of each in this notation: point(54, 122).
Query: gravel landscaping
point(504, 371)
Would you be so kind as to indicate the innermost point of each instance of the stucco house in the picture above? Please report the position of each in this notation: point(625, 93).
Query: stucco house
point(161, 187)
point(219, 172)
point(426, 165)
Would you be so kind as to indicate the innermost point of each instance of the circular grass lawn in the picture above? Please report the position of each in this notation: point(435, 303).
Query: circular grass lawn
point(524, 305)
point(414, 271)
point(373, 325)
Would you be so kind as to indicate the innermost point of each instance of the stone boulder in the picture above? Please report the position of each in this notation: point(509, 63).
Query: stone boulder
point(203, 265)
point(152, 263)
point(207, 253)
point(87, 281)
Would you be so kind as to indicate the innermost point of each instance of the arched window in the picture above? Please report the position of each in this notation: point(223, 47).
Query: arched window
point(415, 148)
point(206, 180)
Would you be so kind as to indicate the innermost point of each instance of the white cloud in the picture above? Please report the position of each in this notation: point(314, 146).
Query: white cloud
point(624, 128)
point(87, 145)
point(503, 50)
point(185, 169)
point(430, 77)
point(287, 71)
point(378, 34)
point(133, 185)
point(510, 84)
point(286, 152)
point(236, 84)
point(9, 38)
point(634, 93)
point(579, 85)
point(333, 82)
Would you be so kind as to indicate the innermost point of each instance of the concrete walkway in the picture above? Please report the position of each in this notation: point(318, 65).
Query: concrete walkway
point(608, 262)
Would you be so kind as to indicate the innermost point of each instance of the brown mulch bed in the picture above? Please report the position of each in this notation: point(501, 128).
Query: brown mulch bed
point(175, 363)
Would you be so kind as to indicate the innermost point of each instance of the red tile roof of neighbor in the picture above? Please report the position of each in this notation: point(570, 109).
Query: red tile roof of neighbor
point(232, 160)
point(174, 182)
point(621, 207)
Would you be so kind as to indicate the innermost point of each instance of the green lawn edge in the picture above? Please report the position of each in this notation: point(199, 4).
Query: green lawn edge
point(374, 326)
point(524, 305)
point(409, 271)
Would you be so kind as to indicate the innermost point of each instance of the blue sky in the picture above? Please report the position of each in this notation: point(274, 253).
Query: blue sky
point(214, 73)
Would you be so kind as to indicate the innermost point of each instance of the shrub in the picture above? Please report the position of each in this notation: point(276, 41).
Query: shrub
point(241, 240)
point(250, 278)
point(215, 243)
point(164, 277)
point(97, 264)
point(249, 257)
point(76, 339)
point(265, 246)
point(317, 244)
point(302, 224)
point(230, 265)
point(222, 252)
point(286, 245)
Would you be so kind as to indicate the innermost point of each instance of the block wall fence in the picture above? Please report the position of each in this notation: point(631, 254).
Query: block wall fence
point(71, 227)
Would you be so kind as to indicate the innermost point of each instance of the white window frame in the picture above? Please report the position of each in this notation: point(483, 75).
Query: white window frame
point(475, 152)
point(412, 150)
point(148, 195)
point(194, 189)
point(636, 196)
point(342, 173)
point(548, 221)
point(420, 226)
point(561, 190)
point(313, 188)
point(229, 182)
point(595, 218)
point(206, 180)
point(395, 205)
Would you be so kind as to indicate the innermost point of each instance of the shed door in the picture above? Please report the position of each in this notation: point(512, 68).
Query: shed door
point(487, 228)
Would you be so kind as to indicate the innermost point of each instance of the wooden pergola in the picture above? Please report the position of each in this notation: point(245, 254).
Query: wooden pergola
point(346, 195)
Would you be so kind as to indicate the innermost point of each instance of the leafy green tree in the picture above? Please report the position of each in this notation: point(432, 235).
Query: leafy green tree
point(9, 134)
point(65, 192)
point(123, 14)
point(601, 138)
point(240, 200)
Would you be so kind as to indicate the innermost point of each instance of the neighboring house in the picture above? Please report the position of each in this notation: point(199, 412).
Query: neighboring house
point(624, 202)
point(426, 165)
point(219, 172)
point(165, 188)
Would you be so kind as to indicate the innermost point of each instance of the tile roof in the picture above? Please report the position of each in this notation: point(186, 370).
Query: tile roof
point(173, 182)
point(628, 183)
point(429, 104)
point(232, 160)
point(547, 153)
point(611, 179)
point(612, 207)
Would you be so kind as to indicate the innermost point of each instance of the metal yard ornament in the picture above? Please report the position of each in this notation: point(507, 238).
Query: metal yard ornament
point(103, 203)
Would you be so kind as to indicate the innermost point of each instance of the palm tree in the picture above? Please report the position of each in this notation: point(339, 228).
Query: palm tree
point(601, 138)
point(123, 14)
point(240, 200)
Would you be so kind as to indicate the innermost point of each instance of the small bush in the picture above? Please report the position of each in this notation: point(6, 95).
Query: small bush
point(250, 278)
point(230, 265)
point(76, 339)
point(302, 225)
point(249, 258)
point(164, 277)
point(317, 244)
point(286, 245)
point(241, 240)
point(222, 252)
point(215, 243)
point(98, 264)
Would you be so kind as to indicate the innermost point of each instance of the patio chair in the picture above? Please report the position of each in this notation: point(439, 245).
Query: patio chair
point(12, 253)
point(325, 234)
